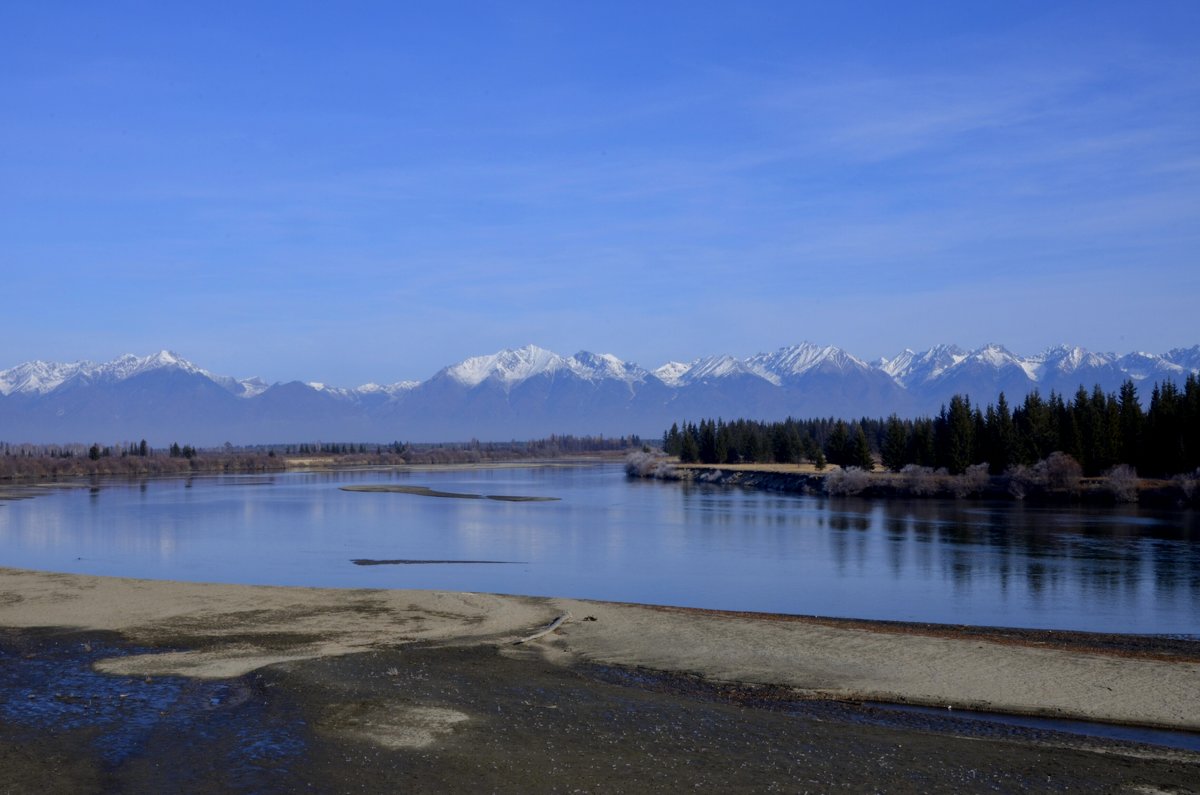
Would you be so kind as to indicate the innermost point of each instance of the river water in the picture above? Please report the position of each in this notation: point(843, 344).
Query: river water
point(1002, 564)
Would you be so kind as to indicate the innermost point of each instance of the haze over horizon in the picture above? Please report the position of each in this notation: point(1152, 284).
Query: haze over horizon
point(375, 193)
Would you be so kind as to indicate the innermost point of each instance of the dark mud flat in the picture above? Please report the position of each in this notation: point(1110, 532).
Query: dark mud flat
point(66, 728)
point(422, 719)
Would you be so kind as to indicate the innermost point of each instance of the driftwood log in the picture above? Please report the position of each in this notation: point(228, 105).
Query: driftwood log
point(553, 625)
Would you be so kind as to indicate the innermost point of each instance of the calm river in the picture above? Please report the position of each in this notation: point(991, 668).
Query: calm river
point(1003, 564)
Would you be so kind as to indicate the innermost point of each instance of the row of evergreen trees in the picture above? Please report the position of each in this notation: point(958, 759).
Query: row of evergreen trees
point(96, 452)
point(790, 441)
point(1099, 430)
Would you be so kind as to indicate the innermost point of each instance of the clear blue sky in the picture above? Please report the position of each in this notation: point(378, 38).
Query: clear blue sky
point(368, 191)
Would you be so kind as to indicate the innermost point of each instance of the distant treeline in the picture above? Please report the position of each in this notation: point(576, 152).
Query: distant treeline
point(550, 447)
point(25, 464)
point(137, 459)
point(1098, 430)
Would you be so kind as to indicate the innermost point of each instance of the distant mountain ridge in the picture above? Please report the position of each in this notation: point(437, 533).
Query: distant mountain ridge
point(531, 392)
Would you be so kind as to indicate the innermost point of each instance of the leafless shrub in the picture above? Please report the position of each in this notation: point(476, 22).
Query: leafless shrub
point(648, 465)
point(1060, 472)
point(972, 481)
point(1188, 484)
point(1122, 481)
point(639, 464)
point(846, 482)
point(1021, 479)
point(921, 481)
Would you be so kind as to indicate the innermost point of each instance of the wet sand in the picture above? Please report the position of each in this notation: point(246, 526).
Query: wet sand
point(114, 684)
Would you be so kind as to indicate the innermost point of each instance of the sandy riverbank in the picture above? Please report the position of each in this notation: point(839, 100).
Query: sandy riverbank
point(212, 633)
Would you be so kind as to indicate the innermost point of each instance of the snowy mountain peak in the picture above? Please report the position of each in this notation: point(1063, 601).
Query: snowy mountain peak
point(129, 365)
point(508, 366)
point(795, 360)
point(911, 367)
point(1068, 359)
point(38, 377)
point(247, 387)
point(671, 372)
point(994, 354)
point(724, 366)
point(512, 366)
point(41, 377)
point(397, 388)
point(898, 363)
point(600, 366)
point(1142, 366)
point(1187, 358)
point(714, 367)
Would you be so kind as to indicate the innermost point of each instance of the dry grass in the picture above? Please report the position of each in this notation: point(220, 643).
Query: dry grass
point(310, 461)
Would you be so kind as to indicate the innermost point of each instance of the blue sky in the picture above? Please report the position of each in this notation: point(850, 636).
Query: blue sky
point(368, 191)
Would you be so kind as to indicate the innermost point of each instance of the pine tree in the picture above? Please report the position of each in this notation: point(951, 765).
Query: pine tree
point(922, 445)
point(1190, 423)
point(708, 442)
point(859, 452)
point(979, 438)
point(689, 450)
point(672, 441)
point(894, 451)
point(818, 457)
point(835, 445)
point(960, 430)
point(1108, 437)
point(1130, 421)
point(721, 455)
point(783, 444)
point(1003, 448)
point(1164, 432)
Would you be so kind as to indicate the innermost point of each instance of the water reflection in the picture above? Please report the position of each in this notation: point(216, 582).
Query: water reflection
point(1124, 569)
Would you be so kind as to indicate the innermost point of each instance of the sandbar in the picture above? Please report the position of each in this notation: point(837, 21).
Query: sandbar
point(235, 633)
point(425, 491)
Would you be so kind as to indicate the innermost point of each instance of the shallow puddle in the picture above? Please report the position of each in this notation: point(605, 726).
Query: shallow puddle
point(48, 684)
point(1184, 740)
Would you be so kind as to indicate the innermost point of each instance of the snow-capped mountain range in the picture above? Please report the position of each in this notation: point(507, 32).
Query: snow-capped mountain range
point(532, 392)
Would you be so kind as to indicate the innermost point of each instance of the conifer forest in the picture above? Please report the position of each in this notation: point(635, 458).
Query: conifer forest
point(1098, 430)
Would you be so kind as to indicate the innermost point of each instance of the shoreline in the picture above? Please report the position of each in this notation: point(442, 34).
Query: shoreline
point(222, 630)
point(148, 685)
point(23, 487)
point(877, 485)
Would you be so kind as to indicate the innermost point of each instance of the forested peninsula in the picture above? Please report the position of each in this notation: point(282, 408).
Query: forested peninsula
point(1096, 445)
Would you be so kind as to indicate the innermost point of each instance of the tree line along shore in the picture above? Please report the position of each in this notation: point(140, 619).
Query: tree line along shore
point(1103, 445)
point(138, 459)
